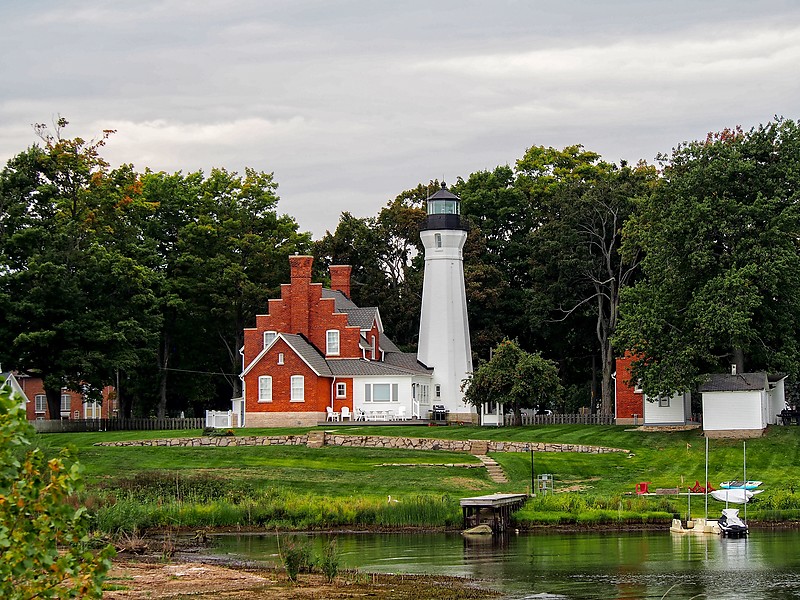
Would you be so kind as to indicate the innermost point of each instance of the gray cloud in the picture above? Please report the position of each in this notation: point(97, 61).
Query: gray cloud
point(351, 102)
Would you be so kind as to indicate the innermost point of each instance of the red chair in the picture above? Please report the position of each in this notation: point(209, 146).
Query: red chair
point(641, 488)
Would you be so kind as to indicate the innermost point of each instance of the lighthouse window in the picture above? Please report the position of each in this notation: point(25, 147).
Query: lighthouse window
point(438, 390)
point(438, 239)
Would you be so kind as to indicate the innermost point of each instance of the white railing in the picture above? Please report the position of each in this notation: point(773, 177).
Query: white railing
point(220, 419)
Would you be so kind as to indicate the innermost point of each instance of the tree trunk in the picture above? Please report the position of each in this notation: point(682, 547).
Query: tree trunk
point(161, 410)
point(738, 359)
point(53, 400)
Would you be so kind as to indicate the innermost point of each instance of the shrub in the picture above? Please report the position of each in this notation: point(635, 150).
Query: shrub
point(44, 539)
point(329, 560)
point(296, 556)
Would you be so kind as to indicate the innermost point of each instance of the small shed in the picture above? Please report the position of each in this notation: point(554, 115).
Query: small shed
point(741, 404)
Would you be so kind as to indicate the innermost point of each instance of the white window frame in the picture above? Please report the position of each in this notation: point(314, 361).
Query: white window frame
point(264, 382)
point(271, 335)
point(341, 389)
point(66, 402)
point(40, 401)
point(393, 389)
point(332, 342)
point(280, 358)
point(663, 401)
point(298, 389)
point(374, 348)
point(438, 239)
point(438, 390)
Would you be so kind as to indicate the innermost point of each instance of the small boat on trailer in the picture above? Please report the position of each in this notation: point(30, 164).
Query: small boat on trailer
point(740, 485)
point(730, 525)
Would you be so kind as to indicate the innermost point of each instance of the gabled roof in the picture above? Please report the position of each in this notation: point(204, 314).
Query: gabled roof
point(354, 367)
point(303, 348)
point(741, 382)
point(363, 317)
point(340, 301)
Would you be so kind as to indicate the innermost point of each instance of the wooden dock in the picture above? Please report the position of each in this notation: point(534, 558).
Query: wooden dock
point(493, 510)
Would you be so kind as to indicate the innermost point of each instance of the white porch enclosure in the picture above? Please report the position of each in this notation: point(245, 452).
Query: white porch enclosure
point(222, 419)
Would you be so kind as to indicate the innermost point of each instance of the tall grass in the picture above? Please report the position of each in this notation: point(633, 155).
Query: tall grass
point(584, 509)
point(275, 508)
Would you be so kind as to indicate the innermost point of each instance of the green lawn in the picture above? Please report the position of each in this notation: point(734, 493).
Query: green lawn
point(296, 474)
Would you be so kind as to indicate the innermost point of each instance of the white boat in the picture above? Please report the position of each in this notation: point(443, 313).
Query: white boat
point(734, 495)
point(731, 525)
point(740, 485)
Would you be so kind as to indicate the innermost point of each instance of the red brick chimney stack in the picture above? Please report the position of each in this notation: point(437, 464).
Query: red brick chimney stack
point(340, 278)
point(300, 285)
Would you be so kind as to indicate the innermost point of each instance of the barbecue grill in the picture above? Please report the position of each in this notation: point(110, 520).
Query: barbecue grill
point(439, 413)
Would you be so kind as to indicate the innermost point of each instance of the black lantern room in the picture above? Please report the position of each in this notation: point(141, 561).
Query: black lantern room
point(444, 210)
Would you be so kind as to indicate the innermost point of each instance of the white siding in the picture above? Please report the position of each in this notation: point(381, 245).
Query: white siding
point(732, 410)
point(674, 414)
point(403, 389)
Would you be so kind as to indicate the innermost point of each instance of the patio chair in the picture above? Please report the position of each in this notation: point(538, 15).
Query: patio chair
point(331, 416)
point(401, 413)
point(346, 413)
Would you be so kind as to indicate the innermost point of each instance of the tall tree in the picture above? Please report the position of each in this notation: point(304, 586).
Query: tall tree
point(223, 252)
point(78, 307)
point(721, 260)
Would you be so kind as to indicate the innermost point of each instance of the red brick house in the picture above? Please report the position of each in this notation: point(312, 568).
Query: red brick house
point(316, 352)
point(73, 404)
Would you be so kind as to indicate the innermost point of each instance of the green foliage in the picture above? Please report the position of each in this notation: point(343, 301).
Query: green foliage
point(44, 549)
point(329, 560)
point(296, 556)
point(514, 377)
point(721, 263)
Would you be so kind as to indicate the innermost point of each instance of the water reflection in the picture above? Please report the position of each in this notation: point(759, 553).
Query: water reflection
point(577, 565)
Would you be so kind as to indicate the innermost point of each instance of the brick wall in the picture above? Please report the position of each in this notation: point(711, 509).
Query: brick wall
point(33, 386)
point(629, 402)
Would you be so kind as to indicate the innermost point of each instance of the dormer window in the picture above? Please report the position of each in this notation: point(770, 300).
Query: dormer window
point(269, 337)
point(332, 342)
point(374, 348)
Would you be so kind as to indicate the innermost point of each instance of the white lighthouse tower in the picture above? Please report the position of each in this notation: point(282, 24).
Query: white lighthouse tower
point(443, 328)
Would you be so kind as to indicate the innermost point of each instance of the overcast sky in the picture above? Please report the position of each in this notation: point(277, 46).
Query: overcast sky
point(349, 103)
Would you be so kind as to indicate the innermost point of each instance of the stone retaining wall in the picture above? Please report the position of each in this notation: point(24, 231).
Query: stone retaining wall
point(318, 438)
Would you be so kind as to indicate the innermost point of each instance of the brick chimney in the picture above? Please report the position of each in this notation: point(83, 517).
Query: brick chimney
point(300, 285)
point(340, 278)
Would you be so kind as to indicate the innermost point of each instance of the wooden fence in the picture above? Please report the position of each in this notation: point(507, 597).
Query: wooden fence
point(565, 419)
point(75, 425)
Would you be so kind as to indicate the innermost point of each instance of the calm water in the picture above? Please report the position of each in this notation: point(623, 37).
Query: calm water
point(594, 565)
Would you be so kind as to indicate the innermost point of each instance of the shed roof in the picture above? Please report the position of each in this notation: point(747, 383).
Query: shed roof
point(741, 382)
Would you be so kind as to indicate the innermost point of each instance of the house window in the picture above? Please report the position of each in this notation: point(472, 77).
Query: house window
point(41, 403)
point(341, 390)
point(438, 390)
point(438, 239)
point(298, 388)
point(280, 358)
point(332, 342)
point(663, 401)
point(65, 402)
point(269, 337)
point(265, 388)
point(381, 392)
point(374, 348)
